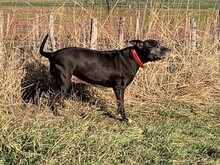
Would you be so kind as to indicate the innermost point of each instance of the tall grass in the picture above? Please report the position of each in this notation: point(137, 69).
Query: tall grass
point(174, 103)
point(187, 72)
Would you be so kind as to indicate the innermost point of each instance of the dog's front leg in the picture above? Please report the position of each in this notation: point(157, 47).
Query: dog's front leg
point(119, 93)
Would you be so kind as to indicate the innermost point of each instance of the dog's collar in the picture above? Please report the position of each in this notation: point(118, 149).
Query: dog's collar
point(137, 59)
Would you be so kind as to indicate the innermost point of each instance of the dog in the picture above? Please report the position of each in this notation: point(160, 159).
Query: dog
point(114, 69)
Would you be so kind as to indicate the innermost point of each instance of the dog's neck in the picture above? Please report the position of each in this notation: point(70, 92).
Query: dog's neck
point(137, 59)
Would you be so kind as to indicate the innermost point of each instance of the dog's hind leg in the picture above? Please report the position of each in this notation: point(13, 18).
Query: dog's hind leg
point(58, 98)
point(54, 98)
point(66, 86)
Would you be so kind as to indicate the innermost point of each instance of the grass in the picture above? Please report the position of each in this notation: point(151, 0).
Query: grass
point(209, 5)
point(175, 4)
point(38, 4)
point(163, 132)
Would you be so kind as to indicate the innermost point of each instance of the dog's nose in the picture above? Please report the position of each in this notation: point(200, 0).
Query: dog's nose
point(167, 51)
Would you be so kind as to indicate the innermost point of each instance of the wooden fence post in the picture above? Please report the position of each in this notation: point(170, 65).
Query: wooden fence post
point(51, 27)
point(1, 41)
point(218, 25)
point(8, 23)
point(84, 36)
point(193, 34)
point(121, 32)
point(212, 32)
point(93, 33)
point(137, 26)
point(36, 20)
point(34, 34)
point(187, 27)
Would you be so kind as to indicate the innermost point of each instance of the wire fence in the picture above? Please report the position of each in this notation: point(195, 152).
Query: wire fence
point(192, 34)
point(24, 27)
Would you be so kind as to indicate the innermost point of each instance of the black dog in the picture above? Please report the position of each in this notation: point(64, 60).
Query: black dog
point(115, 68)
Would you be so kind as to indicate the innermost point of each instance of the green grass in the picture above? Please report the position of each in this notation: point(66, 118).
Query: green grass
point(37, 4)
point(180, 4)
point(162, 133)
point(195, 5)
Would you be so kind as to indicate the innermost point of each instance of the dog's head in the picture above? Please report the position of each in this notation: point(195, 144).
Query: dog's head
point(150, 50)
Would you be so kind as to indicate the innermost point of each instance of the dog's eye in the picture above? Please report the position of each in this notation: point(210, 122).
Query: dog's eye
point(150, 46)
point(157, 45)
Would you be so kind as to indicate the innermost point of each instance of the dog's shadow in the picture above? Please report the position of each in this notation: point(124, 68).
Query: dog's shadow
point(37, 84)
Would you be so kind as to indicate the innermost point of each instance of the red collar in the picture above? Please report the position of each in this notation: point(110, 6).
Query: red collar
point(137, 59)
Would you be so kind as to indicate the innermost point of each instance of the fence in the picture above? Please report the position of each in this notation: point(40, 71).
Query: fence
point(94, 28)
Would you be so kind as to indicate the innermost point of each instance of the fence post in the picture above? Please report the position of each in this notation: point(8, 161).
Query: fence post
point(193, 34)
point(7, 23)
point(212, 33)
point(35, 32)
point(121, 32)
point(37, 27)
point(219, 25)
point(93, 33)
point(51, 27)
point(84, 36)
point(34, 35)
point(137, 26)
point(1, 41)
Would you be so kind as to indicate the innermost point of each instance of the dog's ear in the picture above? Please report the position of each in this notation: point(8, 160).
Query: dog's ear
point(139, 43)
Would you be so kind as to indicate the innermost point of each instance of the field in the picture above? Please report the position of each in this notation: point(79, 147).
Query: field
point(174, 103)
point(195, 4)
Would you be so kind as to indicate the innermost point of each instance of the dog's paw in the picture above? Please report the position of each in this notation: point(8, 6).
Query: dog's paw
point(129, 121)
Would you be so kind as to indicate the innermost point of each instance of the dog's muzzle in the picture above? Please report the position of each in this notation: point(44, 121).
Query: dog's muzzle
point(165, 53)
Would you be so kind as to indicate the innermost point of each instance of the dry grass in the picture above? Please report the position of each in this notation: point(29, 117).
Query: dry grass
point(187, 75)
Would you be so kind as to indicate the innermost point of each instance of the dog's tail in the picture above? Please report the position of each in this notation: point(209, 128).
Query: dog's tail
point(42, 52)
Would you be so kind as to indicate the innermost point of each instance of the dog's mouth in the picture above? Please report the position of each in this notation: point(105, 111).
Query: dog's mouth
point(161, 56)
point(164, 56)
point(166, 53)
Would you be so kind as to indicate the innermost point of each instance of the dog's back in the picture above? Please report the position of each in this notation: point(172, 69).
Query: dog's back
point(92, 66)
